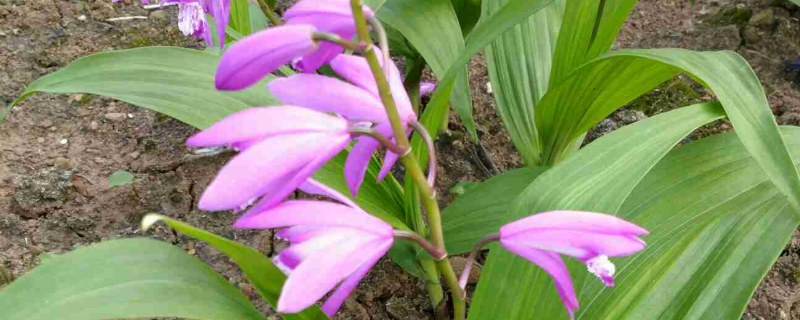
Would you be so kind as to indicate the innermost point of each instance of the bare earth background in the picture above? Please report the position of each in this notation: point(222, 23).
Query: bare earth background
point(57, 151)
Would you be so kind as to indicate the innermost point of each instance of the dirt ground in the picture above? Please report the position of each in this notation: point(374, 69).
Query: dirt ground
point(57, 151)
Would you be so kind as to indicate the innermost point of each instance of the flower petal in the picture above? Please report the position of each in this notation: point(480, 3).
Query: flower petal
point(315, 243)
point(315, 187)
point(220, 10)
point(426, 88)
point(328, 94)
point(573, 220)
point(327, 7)
point(334, 302)
point(355, 167)
point(319, 274)
point(264, 122)
point(579, 244)
point(278, 189)
point(257, 55)
point(318, 213)
point(551, 263)
point(388, 162)
point(266, 169)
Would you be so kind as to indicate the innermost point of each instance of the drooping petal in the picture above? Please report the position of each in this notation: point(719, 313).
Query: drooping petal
point(355, 167)
point(551, 263)
point(304, 212)
point(263, 169)
point(278, 189)
point(316, 243)
point(263, 122)
point(328, 94)
point(601, 267)
point(312, 186)
point(313, 61)
point(220, 10)
point(257, 55)
point(375, 252)
point(319, 274)
point(388, 162)
point(573, 220)
point(579, 244)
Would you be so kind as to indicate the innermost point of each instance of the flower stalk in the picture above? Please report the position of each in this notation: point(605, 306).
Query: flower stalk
point(427, 193)
point(436, 253)
point(330, 37)
point(462, 281)
point(270, 13)
point(362, 131)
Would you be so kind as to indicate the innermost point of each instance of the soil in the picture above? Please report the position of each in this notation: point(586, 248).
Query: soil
point(58, 151)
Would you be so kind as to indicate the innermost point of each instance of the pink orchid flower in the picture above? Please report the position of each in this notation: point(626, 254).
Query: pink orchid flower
point(358, 101)
point(281, 147)
point(587, 236)
point(331, 244)
point(261, 53)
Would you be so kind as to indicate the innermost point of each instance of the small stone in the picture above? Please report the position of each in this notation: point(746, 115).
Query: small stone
point(130, 116)
point(94, 125)
point(64, 141)
point(489, 88)
point(135, 155)
point(36, 250)
point(3, 34)
point(76, 97)
point(46, 123)
point(115, 116)
point(82, 17)
point(40, 140)
point(159, 16)
point(62, 163)
point(763, 19)
point(16, 32)
point(751, 35)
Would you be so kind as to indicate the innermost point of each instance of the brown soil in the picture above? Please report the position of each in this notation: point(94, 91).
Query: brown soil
point(57, 151)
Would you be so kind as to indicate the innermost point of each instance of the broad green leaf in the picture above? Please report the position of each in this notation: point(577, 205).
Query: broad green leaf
point(258, 20)
point(468, 12)
point(519, 69)
point(483, 34)
point(120, 178)
point(597, 178)
point(432, 27)
point(484, 208)
point(131, 278)
point(260, 270)
point(239, 18)
point(574, 38)
point(598, 88)
point(177, 82)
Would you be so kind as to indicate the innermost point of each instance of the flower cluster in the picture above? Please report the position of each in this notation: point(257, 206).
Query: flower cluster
point(334, 244)
point(192, 17)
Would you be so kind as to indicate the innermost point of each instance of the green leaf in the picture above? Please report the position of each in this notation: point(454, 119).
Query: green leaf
point(120, 178)
point(260, 270)
point(432, 27)
point(131, 278)
point(239, 18)
point(598, 88)
point(484, 208)
point(519, 69)
point(258, 20)
point(468, 12)
point(484, 33)
point(177, 82)
point(597, 178)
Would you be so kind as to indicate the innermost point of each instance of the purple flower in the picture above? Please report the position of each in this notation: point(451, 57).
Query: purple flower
point(426, 88)
point(261, 53)
point(250, 59)
point(331, 244)
point(587, 236)
point(192, 19)
point(357, 101)
point(281, 147)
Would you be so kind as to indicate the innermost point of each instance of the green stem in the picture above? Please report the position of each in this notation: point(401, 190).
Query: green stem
point(330, 37)
point(270, 14)
point(413, 168)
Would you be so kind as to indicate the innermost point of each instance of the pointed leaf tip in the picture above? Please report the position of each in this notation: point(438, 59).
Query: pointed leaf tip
point(150, 219)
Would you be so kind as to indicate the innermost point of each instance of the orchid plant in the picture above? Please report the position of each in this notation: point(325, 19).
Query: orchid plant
point(716, 212)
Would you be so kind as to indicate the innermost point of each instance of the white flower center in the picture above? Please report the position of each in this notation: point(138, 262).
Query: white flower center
point(191, 18)
point(601, 267)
